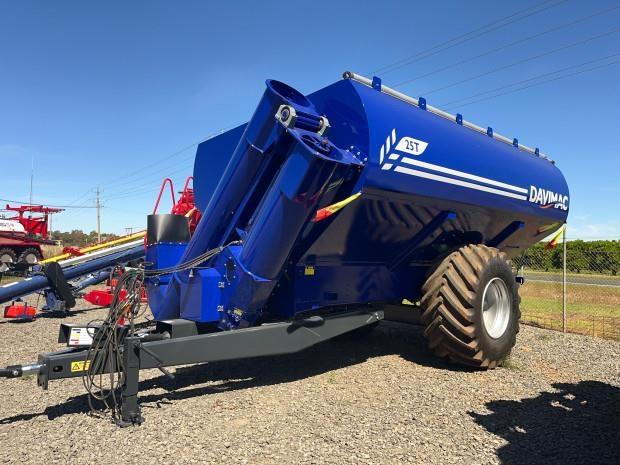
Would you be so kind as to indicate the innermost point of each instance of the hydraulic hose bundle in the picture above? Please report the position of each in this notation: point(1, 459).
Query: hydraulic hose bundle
point(104, 373)
point(103, 366)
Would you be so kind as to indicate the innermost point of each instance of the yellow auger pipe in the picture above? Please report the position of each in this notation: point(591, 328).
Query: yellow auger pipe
point(92, 248)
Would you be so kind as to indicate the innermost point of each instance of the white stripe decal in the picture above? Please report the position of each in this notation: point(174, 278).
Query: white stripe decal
point(473, 177)
point(457, 182)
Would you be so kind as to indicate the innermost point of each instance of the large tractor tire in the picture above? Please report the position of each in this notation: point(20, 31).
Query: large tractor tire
point(30, 256)
point(470, 307)
point(7, 256)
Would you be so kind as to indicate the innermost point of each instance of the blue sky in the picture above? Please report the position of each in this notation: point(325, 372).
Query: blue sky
point(114, 94)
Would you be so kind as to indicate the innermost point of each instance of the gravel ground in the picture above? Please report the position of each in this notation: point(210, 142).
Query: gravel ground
point(383, 400)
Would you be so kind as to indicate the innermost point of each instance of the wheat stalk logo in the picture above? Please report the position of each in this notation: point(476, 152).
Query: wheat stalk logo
point(385, 149)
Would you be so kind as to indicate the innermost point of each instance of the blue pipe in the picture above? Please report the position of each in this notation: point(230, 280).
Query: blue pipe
point(35, 283)
point(243, 167)
point(237, 186)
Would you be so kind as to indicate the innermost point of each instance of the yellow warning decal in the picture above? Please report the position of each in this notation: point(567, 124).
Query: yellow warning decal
point(238, 312)
point(82, 365)
point(309, 271)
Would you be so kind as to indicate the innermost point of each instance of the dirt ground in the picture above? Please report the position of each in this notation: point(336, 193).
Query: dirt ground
point(383, 400)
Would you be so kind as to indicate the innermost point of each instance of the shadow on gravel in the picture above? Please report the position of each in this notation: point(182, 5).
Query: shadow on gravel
point(389, 338)
point(578, 424)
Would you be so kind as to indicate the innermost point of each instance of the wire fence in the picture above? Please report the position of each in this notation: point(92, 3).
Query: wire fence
point(574, 287)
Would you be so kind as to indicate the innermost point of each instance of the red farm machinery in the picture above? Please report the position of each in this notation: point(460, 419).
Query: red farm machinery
point(23, 234)
point(184, 206)
point(63, 278)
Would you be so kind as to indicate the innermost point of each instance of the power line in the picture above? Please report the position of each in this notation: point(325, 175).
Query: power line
point(126, 180)
point(98, 206)
point(461, 36)
point(140, 172)
point(503, 47)
point(541, 82)
point(519, 62)
point(133, 193)
point(149, 185)
point(528, 80)
point(154, 178)
point(45, 204)
point(79, 198)
point(164, 170)
point(464, 37)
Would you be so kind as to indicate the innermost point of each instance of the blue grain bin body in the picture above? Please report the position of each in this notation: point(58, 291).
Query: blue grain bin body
point(428, 186)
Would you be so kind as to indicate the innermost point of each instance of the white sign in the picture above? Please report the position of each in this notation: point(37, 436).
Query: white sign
point(81, 336)
point(411, 146)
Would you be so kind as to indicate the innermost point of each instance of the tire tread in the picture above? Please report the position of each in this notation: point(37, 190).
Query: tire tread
point(448, 305)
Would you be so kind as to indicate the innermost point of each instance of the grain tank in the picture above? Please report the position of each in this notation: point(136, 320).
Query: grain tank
point(416, 190)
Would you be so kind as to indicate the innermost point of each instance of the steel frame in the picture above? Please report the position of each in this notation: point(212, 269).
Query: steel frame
point(172, 346)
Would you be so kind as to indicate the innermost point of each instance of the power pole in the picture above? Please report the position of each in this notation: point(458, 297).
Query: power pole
point(98, 206)
point(31, 179)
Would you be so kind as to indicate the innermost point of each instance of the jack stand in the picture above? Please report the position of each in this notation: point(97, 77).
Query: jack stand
point(130, 410)
point(53, 304)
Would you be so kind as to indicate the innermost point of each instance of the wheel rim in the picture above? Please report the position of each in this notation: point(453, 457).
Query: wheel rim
point(6, 258)
point(31, 259)
point(496, 307)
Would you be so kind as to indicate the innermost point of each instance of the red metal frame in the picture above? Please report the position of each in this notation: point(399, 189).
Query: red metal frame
point(36, 228)
point(104, 297)
point(185, 206)
point(34, 225)
point(161, 191)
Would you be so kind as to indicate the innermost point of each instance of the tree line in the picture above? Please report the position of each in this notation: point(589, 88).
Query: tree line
point(581, 256)
point(78, 238)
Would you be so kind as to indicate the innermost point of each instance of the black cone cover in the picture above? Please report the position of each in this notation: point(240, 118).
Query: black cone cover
point(167, 228)
point(58, 282)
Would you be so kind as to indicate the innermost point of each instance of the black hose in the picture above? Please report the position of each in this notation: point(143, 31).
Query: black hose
point(105, 352)
point(14, 371)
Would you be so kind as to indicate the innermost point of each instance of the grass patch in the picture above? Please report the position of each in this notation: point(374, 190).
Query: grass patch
point(593, 310)
point(509, 364)
point(570, 274)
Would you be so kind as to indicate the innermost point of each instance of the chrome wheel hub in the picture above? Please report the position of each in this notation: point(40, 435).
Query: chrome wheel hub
point(496, 307)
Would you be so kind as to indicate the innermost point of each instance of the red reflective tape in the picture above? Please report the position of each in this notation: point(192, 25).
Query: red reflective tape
point(325, 212)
